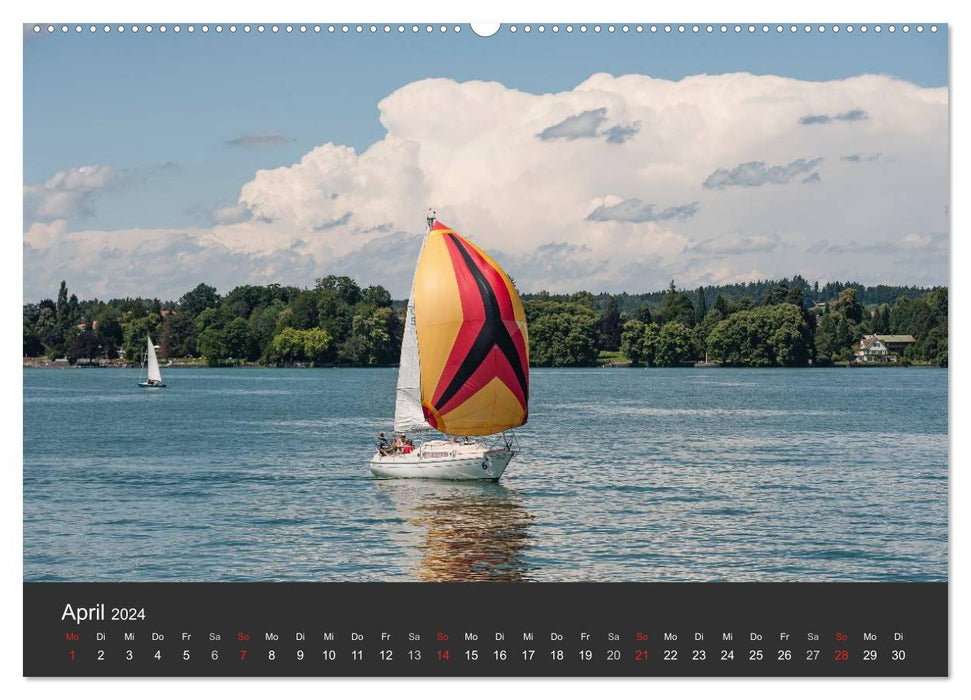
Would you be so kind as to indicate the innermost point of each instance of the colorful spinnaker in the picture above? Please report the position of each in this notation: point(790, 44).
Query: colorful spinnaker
point(465, 354)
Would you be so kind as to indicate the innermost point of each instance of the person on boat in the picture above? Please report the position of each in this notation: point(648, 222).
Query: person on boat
point(383, 447)
point(408, 448)
point(398, 444)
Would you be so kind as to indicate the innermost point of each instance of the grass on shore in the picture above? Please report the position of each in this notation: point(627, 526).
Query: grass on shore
point(612, 358)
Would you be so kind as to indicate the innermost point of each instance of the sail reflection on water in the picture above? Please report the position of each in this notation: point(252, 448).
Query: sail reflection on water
point(469, 531)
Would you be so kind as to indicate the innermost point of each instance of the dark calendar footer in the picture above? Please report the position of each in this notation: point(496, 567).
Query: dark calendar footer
point(536, 629)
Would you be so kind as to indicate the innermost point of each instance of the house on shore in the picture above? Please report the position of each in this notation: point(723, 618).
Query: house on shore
point(897, 343)
point(879, 349)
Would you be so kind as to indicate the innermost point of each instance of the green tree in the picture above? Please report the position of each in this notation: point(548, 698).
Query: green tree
point(847, 306)
point(199, 299)
point(727, 341)
point(304, 309)
point(882, 320)
point(795, 297)
point(843, 338)
point(136, 333)
point(611, 326)
point(902, 316)
point(284, 320)
point(674, 345)
point(316, 344)
point(743, 304)
point(933, 346)
point(937, 299)
point(32, 345)
point(941, 358)
point(632, 341)
point(376, 296)
point(776, 335)
point(676, 306)
point(346, 288)
point(644, 314)
point(294, 345)
point(334, 314)
point(374, 338)
point(777, 294)
point(46, 329)
point(827, 350)
point(178, 335)
point(288, 346)
point(584, 298)
point(108, 320)
point(701, 306)
point(245, 299)
point(703, 329)
point(90, 345)
point(62, 304)
point(238, 340)
point(840, 326)
point(722, 306)
point(60, 335)
point(212, 345)
point(263, 326)
point(562, 334)
point(649, 344)
point(208, 318)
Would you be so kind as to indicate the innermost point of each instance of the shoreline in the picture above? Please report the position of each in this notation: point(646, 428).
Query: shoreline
point(35, 363)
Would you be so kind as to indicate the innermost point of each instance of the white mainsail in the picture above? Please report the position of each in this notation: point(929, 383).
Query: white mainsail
point(154, 375)
point(408, 413)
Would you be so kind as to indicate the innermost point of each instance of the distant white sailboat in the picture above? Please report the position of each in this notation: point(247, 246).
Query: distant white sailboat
point(466, 321)
point(153, 376)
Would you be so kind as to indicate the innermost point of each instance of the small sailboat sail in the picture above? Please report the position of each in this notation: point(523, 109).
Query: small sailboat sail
point(464, 367)
point(153, 373)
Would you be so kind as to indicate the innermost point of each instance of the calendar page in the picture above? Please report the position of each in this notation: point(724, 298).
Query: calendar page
point(448, 349)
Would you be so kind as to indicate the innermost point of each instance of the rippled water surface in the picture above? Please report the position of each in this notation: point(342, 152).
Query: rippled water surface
point(625, 475)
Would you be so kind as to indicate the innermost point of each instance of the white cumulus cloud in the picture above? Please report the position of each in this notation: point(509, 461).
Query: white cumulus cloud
point(470, 149)
point(69, 193)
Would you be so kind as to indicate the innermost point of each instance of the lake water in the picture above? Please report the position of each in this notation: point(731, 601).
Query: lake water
point(625, 475)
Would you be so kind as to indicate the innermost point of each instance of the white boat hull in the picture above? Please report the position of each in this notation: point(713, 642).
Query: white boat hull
point(443, 460)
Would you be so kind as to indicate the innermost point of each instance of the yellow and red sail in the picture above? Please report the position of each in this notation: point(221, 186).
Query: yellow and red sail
point(472, 343)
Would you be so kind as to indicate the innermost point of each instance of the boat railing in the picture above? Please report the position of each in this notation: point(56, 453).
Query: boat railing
point(506, 439)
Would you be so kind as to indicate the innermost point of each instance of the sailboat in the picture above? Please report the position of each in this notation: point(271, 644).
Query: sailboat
point(706, 364)
point(464, 369)
point(153, 376)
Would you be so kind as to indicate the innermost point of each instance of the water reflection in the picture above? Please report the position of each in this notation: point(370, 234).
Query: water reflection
point(469, 531)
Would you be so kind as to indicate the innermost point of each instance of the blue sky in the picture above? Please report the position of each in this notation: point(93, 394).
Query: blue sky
point(174, 127)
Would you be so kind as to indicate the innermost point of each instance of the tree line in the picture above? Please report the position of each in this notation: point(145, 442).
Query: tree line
point(339, 322)
point(336, 321)
point(782, 329)
point(756, 291)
